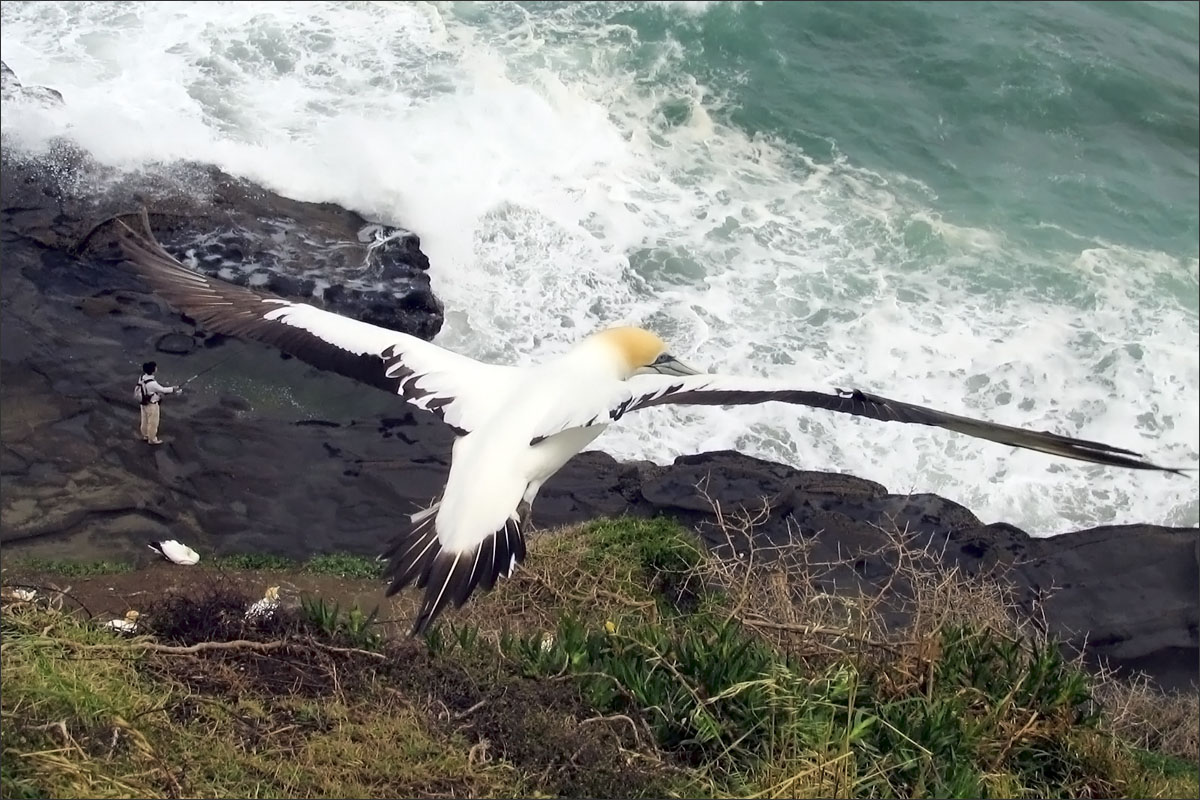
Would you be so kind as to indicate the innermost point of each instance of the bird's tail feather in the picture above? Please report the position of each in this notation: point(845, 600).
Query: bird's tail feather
point(445, 575)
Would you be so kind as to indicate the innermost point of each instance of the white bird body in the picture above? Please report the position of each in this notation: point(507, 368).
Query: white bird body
point(127, 625)
point(517, 426)
point(265, 607)
point(21, 595)
point(508, 458)
point(175, 552)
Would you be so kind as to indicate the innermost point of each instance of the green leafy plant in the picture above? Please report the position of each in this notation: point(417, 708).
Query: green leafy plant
point(354, 627)
point(344, 565)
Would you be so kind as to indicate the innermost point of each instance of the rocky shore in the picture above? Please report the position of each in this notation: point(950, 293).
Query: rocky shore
point(265, 454)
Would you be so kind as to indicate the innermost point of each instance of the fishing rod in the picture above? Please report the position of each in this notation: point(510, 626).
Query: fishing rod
point(205, 370)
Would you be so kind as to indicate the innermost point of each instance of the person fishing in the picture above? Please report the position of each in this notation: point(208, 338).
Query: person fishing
point(149, 393)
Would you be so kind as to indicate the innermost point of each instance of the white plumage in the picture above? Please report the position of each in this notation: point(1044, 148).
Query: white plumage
point(261, 609)
point(517, 426)
point(20, 595)
point(127, 625)
point(176, 552)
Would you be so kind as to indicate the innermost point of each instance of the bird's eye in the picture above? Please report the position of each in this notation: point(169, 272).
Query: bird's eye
point(663, 359)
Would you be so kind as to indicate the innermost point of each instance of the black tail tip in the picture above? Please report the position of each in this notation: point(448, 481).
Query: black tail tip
point(421, 625)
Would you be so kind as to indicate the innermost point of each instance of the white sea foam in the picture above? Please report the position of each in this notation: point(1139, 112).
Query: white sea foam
point(557, 188)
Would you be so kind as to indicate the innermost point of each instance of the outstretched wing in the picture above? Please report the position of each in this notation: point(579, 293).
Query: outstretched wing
point(460, 390)
point(645, 391)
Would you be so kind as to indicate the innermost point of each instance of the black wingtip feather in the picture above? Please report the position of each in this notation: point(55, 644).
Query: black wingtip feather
point(417, 555)
point(241, 311)
point(872, 406)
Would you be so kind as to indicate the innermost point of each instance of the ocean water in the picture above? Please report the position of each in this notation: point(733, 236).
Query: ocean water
point(990, 208)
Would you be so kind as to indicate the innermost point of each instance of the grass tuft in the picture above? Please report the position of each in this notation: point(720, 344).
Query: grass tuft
point(251, 561)
point(75, 569)
point(345, 565)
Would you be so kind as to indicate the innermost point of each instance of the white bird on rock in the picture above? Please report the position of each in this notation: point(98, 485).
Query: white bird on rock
point(176, 552)
point(516, 426)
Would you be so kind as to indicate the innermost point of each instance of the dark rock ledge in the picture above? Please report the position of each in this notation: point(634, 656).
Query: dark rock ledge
point(268, 455)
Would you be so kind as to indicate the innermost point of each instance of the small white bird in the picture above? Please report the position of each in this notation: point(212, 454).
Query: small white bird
point(176, 552)
point(127, 625)
point(516, 426)
point(266, 606)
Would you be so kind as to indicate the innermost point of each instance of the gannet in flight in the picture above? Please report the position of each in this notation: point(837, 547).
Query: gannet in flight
point(516, 426)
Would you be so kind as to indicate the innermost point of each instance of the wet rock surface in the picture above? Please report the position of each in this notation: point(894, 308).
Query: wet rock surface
point(12, 90)
point(222, 226)
point(264, 454)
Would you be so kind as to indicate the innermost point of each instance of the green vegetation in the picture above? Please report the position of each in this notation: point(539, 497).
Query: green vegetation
point(622, 661)
point(76, 569)
point(355, 627)
point(88, 716)
point(343, 565)
point(251, 561)
point(645, 547)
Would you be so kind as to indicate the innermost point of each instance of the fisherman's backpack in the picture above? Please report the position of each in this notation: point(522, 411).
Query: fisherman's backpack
point(139, 393)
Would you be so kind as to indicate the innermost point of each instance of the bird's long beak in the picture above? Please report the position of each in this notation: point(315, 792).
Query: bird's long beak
point(668, 364)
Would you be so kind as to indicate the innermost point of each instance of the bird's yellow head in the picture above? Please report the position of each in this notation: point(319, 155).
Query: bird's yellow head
point(641, 352)
point(132, 615)
point(272, 593)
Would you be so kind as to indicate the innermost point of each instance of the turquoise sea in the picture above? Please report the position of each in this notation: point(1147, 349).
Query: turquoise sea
point(987, 207)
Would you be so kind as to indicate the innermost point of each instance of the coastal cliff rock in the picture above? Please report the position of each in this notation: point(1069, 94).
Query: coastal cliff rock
point(12, 90)
point(222, 226)
point(265, 454)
